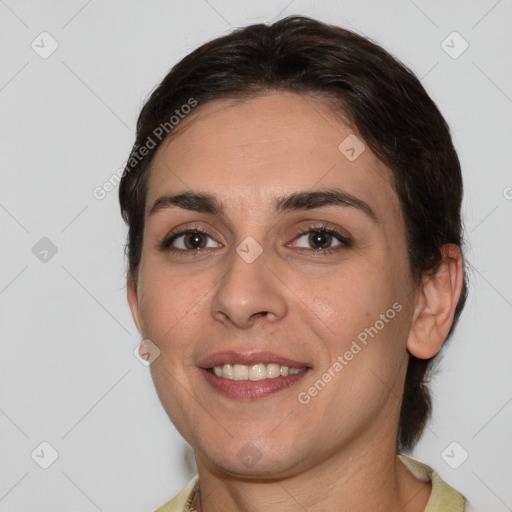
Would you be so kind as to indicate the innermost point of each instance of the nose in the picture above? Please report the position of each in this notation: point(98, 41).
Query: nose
point(249, 293)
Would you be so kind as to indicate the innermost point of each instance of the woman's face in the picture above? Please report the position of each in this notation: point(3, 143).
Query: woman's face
point(275, 274)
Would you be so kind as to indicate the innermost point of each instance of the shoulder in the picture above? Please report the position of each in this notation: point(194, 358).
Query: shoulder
point(443, 497)
point(182, 500)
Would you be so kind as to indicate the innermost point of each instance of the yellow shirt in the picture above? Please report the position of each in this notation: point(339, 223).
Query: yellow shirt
point(442, 499)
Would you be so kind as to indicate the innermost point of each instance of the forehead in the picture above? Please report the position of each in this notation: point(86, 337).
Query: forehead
point(269, 145)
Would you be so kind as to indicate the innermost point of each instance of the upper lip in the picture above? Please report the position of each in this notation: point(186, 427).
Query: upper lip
point(248, 358)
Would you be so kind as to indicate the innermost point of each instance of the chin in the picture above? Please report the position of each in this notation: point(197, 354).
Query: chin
point(254, 459)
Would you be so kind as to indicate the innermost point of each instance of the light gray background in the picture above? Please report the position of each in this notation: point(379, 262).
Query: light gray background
point(68, 375)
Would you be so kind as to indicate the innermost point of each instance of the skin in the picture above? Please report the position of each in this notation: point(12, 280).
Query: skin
point(248, 153)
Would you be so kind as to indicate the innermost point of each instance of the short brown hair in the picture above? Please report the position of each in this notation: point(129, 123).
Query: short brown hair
point(382, 99)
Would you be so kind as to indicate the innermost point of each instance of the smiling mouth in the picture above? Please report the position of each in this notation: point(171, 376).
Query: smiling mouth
point(255, 372)
point(245, 375)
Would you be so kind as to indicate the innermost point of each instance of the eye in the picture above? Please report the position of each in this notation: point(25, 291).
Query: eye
point(321, 239)
point(318, 239)
point(188, 240)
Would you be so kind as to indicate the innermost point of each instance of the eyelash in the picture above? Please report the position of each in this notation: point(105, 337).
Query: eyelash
point(165, 245)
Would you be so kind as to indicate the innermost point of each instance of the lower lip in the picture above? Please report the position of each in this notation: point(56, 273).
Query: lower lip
point(251, 389)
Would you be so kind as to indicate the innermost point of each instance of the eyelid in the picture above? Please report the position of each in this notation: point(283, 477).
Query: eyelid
point(344, 240)
point(165, 244)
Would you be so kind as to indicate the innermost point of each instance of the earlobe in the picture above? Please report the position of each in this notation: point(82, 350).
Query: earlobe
point(131, 293)
point(435, 308)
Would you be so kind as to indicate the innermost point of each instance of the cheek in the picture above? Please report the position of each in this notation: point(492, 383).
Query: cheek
point(367, 318)
point(170, 305)
point(365, 359)
point(351, 300)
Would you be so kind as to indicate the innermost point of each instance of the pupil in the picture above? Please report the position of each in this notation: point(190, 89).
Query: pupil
point(320, 239)
point(194, 241)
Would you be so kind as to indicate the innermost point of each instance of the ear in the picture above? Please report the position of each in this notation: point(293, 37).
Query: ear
point(435, 308)
point(131, 293)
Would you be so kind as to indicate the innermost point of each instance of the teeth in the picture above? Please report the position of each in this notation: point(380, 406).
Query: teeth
point(227, 371)
point(255, 372)
point(273, 371)
point(240, 372)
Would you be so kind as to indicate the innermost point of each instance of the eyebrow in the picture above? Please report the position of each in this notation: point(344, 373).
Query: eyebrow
point(207, 203)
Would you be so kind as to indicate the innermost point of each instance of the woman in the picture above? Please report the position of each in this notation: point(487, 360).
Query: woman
point(293, 203)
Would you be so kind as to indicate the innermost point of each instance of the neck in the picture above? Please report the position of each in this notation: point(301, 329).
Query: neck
point(371, 478)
